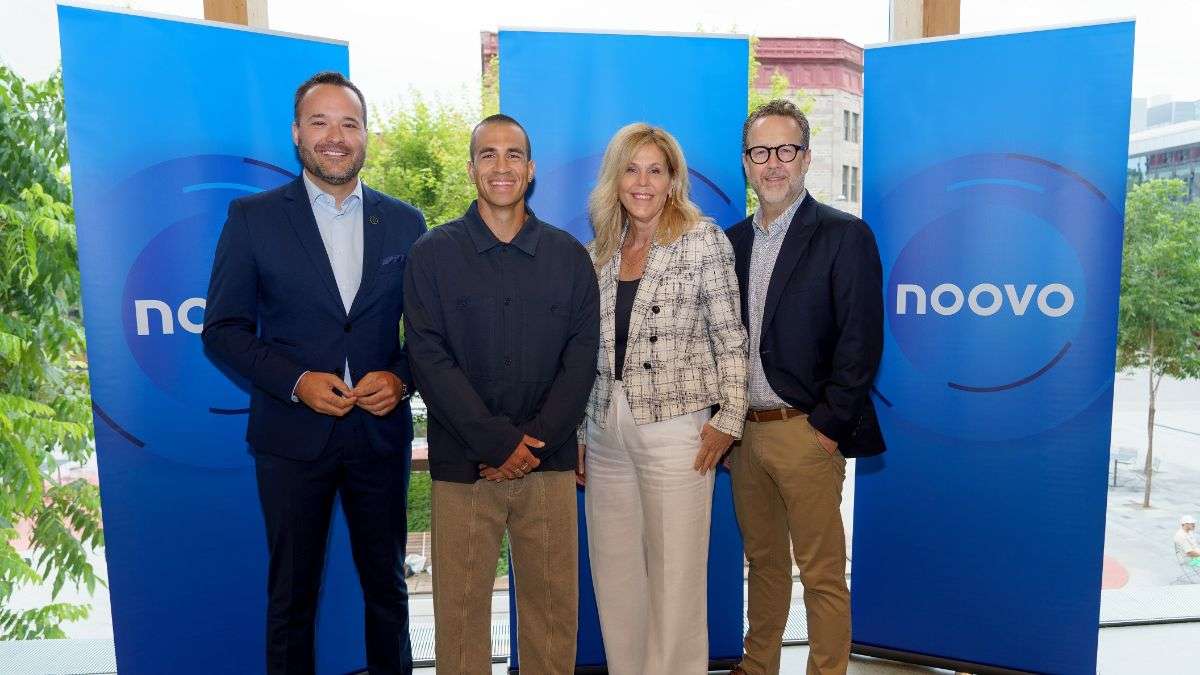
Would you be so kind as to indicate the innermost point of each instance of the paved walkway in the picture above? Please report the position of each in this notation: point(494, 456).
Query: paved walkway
point(1139, 539)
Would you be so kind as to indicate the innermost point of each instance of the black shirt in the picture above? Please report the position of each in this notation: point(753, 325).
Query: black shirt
point(502, 339)
point(626, 290)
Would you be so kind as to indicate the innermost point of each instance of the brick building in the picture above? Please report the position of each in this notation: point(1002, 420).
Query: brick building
point(830, 70)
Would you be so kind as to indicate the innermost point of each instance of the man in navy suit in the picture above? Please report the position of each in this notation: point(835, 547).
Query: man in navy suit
point(305, 302)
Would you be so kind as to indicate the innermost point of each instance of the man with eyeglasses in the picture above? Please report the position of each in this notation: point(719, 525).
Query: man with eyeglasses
point(812, 301)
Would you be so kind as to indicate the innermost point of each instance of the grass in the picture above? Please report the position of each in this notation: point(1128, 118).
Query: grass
point(419, 500)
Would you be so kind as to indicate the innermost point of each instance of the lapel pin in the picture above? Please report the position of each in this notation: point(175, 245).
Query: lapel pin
point(374, 220)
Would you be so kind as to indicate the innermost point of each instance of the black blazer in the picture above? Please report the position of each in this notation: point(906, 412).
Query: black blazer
point(274, 311)
point(823, 322)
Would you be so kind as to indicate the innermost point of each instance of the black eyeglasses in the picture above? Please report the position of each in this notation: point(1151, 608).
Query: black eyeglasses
point(761, 154)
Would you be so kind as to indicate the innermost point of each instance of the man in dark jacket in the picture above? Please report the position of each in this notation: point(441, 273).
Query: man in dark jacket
point(503, 325)
point(812, 300)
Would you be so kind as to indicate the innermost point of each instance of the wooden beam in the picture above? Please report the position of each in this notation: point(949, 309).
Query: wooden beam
point(913, 19)
point(940, 17)
point(242, 12)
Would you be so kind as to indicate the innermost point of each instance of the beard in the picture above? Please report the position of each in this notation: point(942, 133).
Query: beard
point(784, 196)
point(311, 160)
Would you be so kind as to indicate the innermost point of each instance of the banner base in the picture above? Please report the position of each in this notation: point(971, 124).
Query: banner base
point(933, 661)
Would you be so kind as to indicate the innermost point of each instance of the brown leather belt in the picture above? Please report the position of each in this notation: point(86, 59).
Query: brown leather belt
point(774, 415)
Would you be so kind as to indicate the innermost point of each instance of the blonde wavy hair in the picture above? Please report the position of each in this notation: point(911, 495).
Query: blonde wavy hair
point(605, 210)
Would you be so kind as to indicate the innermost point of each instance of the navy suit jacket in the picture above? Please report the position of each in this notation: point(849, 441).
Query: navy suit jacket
point(822, 332)
point(273, 311)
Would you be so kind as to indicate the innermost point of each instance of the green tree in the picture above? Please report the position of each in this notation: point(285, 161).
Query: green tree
point(489, 90)
point(419, 154)
point(33, 136)
point(1132, 178)
point(45, 412)
point(1159, 325)
point(779, 86)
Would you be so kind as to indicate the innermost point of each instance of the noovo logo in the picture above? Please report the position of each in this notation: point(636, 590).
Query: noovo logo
point(1053, 300)
point(142, 310)
point(1001, 279)
point(168, 216)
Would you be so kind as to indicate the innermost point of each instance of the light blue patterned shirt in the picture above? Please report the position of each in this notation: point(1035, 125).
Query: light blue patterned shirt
point(768, 241)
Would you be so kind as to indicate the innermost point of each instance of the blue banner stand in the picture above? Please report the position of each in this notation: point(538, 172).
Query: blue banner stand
point(167, 121)
point(995, 173)
point(572, 92)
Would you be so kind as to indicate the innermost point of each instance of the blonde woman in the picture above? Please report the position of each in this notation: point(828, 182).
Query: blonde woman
point(672, 346)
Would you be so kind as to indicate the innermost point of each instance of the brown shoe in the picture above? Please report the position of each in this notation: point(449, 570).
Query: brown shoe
point(737, 670)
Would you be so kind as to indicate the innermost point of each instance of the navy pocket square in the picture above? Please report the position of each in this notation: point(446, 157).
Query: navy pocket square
point(390, 260)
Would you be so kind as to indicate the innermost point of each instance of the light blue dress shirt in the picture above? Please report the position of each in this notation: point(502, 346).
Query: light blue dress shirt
point(342, 233)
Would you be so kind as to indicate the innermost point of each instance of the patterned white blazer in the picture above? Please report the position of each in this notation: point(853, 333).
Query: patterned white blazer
point(687, 345)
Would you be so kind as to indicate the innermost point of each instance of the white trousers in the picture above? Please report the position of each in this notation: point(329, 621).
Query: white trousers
point(648, 516)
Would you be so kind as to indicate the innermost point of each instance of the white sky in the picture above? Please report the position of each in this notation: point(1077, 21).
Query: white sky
point(432, 46)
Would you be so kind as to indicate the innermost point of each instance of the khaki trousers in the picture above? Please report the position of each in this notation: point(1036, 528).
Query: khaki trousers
point(787, 490)
point(469, 521)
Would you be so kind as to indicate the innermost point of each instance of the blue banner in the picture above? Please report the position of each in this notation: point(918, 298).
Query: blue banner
point(572, 92)
point(995, 183)
point(167, 122)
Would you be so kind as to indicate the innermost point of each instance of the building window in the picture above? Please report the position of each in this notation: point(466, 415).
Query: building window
point(849, 126)
point(854, 183)
point(845, 182)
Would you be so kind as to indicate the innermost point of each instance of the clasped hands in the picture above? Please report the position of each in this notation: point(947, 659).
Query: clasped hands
point(521, 462)
point(378, 392)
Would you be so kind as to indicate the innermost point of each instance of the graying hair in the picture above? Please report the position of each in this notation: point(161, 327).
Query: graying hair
point(781, 108)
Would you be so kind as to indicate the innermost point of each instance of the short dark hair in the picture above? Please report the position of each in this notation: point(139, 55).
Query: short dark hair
point(493, 119)
point(781, 108)
point(328, 77)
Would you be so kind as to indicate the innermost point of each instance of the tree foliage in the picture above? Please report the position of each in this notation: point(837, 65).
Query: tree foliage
point(489, 90)
point(33, 136)
point(419, 151)
point(45, 412)
point(1159, 325)
point(419, 154)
